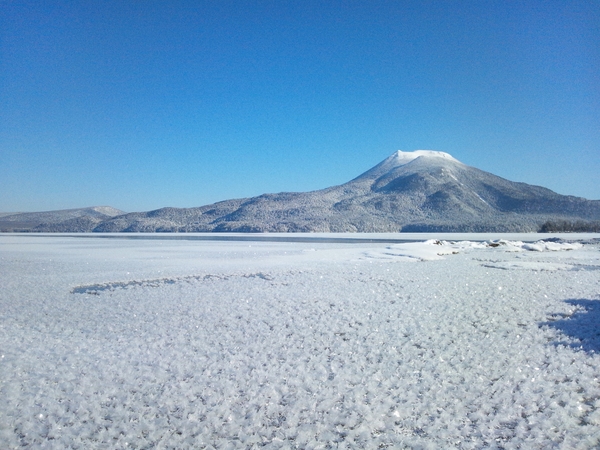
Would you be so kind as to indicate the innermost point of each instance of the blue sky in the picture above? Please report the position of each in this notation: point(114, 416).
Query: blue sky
point(146, 104)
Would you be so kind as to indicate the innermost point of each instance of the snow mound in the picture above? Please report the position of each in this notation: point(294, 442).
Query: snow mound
point(544, 246)
point(434, 249)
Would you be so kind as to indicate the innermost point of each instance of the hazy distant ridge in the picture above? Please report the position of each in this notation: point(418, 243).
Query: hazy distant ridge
point(68, 220)
point(408, 191)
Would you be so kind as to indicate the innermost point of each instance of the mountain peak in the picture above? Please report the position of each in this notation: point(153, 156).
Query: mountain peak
point(400, 158)
point(406, 157)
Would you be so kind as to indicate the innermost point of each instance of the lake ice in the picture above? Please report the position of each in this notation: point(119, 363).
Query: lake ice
point(145, 343)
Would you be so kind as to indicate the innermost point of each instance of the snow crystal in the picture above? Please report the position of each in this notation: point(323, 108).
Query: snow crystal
point(112, 343)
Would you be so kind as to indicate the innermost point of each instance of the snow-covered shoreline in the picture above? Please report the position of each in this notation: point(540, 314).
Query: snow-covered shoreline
point(139, 343)
point(341, 237)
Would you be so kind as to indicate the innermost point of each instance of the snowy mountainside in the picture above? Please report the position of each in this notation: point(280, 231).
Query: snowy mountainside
point(60, 220)
point(422, 190)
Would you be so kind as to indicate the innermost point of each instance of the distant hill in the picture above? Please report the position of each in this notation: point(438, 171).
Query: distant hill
point(409, 191)
point(80, 219)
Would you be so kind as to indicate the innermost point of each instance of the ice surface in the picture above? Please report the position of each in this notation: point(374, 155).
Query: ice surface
point(117, 343)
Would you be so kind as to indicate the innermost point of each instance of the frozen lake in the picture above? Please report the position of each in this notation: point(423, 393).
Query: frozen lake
point(176, 341)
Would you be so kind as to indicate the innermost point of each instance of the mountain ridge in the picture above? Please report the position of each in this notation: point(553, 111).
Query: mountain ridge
point(57, 220)
point(424, 190)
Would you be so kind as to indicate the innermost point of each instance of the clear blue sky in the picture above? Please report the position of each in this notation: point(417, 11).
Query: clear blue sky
point(146, 104)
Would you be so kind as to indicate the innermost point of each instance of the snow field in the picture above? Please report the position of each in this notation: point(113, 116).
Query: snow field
point(142, 344)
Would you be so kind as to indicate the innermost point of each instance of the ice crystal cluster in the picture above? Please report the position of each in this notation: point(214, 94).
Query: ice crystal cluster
point(158, 343)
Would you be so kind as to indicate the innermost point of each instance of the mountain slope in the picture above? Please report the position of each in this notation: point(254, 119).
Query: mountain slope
point(409, 191)
point(80, 219)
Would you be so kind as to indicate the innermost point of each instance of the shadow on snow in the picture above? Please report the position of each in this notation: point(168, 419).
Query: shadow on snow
point(583, 325)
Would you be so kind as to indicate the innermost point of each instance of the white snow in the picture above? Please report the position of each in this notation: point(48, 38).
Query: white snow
point(400, 158)
point(405, 157)
point(435, 249)
point(469, 342)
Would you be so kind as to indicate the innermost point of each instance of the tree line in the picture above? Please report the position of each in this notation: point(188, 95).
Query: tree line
point(567, 226)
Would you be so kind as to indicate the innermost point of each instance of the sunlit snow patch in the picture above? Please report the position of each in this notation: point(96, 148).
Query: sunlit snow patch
point(547, 246)
point(434, 249)
point(424, 251)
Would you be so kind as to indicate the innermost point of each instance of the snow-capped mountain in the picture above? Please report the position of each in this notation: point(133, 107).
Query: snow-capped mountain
point(409, 191)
